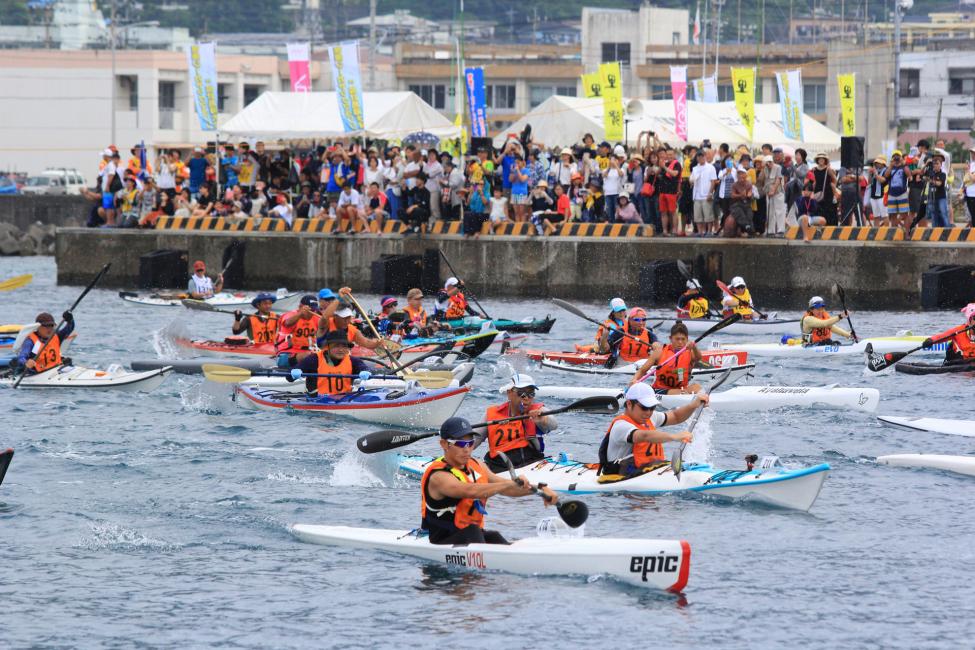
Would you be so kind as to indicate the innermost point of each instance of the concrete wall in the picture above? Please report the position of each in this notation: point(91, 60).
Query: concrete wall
point(781, 273)
point(23, 210)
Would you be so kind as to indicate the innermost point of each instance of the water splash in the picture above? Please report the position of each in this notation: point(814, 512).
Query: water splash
point(119, 538)
point(164, 339)
point(208, 398)
point(293, 478)
point(360, 470)
point(699, 450)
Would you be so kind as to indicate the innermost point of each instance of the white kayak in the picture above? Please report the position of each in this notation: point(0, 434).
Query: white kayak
point(114, 378)
point(959, 464)
point(462, 373)
point(881, 345)
point(778, 326)
point(738, 372)
point(933, 425)
point(286, 301)
point(651, 563)
point(747, 398)
point(786, 488)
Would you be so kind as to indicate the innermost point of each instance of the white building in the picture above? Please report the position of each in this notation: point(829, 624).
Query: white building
point(938, 85)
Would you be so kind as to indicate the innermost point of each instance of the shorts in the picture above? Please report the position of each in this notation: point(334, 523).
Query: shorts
point(878, 208)
point(108, 200)
point(498, 218)
point(703, 211)
point(332, 196)
point(519, 199)
point(897, 204)
point(668, 203)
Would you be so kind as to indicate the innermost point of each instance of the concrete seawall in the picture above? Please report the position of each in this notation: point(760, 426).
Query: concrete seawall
point(22, 210)
point(783, 273)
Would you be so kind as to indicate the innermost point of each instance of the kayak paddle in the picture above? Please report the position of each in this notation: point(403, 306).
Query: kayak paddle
point(5, 458)
point(572, 309)
point(372, 328)
point(483, 311)
point(686, 272)
point(84, 293)
point(677, 460)
point(573, 513)
point(16, 282)
point(842, 295)
point(377, 441)
point(233, 375)
point(877, 362)
point(202, 305)
point(734, 318)
point(727, 291)
point(426, 355)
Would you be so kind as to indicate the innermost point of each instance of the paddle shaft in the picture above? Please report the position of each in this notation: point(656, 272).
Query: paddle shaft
point(941, 339)
point(572, 309)
point(853, 332)
point(677, 461)
point(686, 272)
point(734, 318)
point(893, 357)
point(372, 328)
point(454, 273)
point(70, 309)
point(727, 291)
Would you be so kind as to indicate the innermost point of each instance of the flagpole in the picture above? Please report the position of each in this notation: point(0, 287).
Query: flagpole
point(704, 49)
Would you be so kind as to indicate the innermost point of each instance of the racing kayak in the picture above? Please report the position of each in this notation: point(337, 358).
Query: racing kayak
point(286, 301)
point(786, 488)
point(8, 334)
point(416, 407)
point(719, 357)
point(651, 563)
point(747, 398)
point(195, 366)
point(738, 372)
point(960, 464)
point(881, 345)
point(921, 368)
point(462, 375)
point(700, 325)
point(523, 326)
point(933, 425)
point(114, 378)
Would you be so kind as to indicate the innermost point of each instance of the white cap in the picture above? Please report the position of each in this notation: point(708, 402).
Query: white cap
point(816, 300)
point(519, 380)
point(451, 282)
point(197, 149)
point(107, 152)
point(738, 281)
point(642, 393)
point(345, 312)
point(693, 284)
point(619, 150)
point(617, 304)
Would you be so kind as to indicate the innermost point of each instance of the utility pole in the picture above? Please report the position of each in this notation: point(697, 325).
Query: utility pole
point(717, 36)
point(114, 83)
point(937, 126)
point(704, 49)
point(897, 64)
point(372, 44)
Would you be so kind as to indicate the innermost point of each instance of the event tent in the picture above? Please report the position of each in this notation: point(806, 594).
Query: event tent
point(300, 116)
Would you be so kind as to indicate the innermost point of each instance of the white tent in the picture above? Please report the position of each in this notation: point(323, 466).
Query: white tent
point(560, 121)
point(300, 116)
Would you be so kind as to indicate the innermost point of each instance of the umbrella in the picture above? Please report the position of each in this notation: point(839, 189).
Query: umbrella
point(422, 139)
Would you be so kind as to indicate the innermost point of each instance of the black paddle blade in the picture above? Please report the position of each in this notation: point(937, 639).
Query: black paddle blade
point(377, 441)
point(573, 513)
point(569, 307)
point(5, 458)
point(877, 362)
point(682, 267)
point(595, 404)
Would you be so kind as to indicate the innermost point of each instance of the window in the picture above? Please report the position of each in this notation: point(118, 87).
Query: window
point(252, 92)
point(616, 52)
point(433, 94)
point(962, 124)
point(814, 98)
point(910, 124)
point(167, 95)
point(128, 92)
point(566, 91)
point(538, 94)
point(961, 81)
point(659, 91)
point(910, 81)
point(223, 97)
point(501, 96)
point(726, 93)
point(675, 38)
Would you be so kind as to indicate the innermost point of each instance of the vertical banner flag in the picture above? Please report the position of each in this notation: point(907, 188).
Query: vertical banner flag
point(348, 85)
point(202, 65)
point(678, 89)
point(696, 34)
point(790, 101)
point(706, 89)
point(743, 83)
point(476, 101)
point(848, 95)
point(591, 85)
point(612, 90)
point(698, 86)
point(299, 67)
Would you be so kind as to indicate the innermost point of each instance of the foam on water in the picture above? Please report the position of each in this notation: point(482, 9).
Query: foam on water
point(364, 470)
point(105, 535)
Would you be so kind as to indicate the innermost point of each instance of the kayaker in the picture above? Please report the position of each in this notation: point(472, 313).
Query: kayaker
point(740, 300)
point(42, 349)
point(201, 287)
point(451, 302)
point(262, 326)
point(338, 316)
point(626, 348)
point(673, 374)
point(616, 320)
point(692, 304)
point(455, 488)
point(632, 443)
point(390, 319)
point(962, 342)
point(818, 326)
point(334, 359)
point(297, 328)
point(520, 440)
point(419, 323)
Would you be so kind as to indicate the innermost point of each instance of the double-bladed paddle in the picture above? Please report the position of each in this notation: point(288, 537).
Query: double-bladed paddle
point(677, 460)
point(877, 362)
point(469, 293)
point(574, 513)
point(572, 309)
point(842, 294)
point(16, 282)
point(734, 318)
point(233, 375)
point(741, 301)
point(378, 441)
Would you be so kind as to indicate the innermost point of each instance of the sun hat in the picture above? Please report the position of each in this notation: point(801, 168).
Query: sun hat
point(326, 294)
point(816, 302)
point(519, 380)
point(617, 304)
point(261, 297)
point(388, 300)
point(642, 393)
point(451, 282)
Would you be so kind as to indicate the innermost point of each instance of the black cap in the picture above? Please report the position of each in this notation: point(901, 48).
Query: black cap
point(44, 318)
point(311, 301)
point(455, 428)
point(338, 336)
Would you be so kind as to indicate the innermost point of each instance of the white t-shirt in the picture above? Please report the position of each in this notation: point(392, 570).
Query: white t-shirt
point(434, 172)
point(701, 178)
point(611, 183)
point(283, 210)
point(165, 177)
point(375, 176)
point(562, 172)
point(618, 447)
point(352, 198)
point(411, 167)
point(499, 208)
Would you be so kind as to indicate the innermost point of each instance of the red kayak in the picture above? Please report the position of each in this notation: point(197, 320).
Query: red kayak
point(239, 346)
point(713, 357)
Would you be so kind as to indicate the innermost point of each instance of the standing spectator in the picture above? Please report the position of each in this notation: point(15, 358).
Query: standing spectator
point(703, 180)
point(800, 171)
point(263, 161)
point(248, 168)
point(507, 160)
point(667, 183)
point(537, 170)
point(454, 199)
point(919, 171)
point(135, 162)
point(412, 169)
point(561, 170)
point(230, 166)
point(519, 189)
point(393, 174)
point(612, 185)
point(739, 223)
point(634, 176)
point(110, 182)
point(824, 188)
point(651, 176)
point(851, 202)
point(726, 178)
point(166, 170)
point(499, 209)
point(685, 196)
point(875, 191)
point(576, 196)
point(773, 189)
point(937, 203)
point(335, 173)
point(374, 172)
point(418, 212)
point(898, 194)
point(148, 199)
point(433, 170)
point(198, 170)
point(478, 200)
point(968, 188)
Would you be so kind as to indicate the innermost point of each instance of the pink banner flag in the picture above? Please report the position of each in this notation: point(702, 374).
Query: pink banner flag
point(678, 88)
point(299, 67)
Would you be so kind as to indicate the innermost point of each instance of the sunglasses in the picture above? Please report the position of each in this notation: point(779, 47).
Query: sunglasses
point(819, 306)
point(639, 320)
point(525, 393)
point(461, 444)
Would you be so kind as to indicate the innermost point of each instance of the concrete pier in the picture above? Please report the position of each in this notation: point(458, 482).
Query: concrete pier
point(878, 275)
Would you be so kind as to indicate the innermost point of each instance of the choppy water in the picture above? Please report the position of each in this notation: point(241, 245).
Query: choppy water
point(161, 519)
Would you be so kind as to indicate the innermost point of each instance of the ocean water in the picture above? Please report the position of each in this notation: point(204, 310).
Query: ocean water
point(161, 520)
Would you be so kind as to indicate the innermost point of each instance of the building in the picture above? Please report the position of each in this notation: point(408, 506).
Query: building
point(917, 31)
point(937, 94)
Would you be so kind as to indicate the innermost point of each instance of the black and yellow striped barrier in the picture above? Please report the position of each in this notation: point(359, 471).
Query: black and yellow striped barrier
point(849, 233)
point(604, 230)
point(944, 234)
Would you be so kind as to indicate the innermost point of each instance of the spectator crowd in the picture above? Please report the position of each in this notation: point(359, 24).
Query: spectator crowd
point(703, 191)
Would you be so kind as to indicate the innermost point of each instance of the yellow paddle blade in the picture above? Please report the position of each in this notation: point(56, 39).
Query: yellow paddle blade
point(426, 381)
point(16, 282)
point(429, 374)
point(225, 374)
point(10, 329)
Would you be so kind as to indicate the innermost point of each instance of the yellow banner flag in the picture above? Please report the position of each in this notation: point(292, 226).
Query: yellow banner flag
point(848, 96)
point(743, 82)
point(611, 86)
point(591, 85)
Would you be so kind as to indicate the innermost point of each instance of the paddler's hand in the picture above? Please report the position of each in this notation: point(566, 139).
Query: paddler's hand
point(30, 365)
point(365, 375)
point(551, 498)
point(67, 317)
point(927, 345)
point(846, 314)
point(345, 292)
point(691, 345)
point(296, 374)
point(524, 487)
point(683, 436)
point(535, 414)
point(304, 311)
point(238, 315)
point(703, 398)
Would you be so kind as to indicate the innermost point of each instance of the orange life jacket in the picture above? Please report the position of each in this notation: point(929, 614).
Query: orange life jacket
point(818, 334)
point(452, 513)
point(303, 332)
point(644, 453)
point(263, 330)
point(963, 341)
point(350, 330)
point(631, 350)
point(608, 326)
point(510, 435)
point(418, 317)
point(457, 307)
point(673, 373)
point(50, 356)
point(334, 385)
